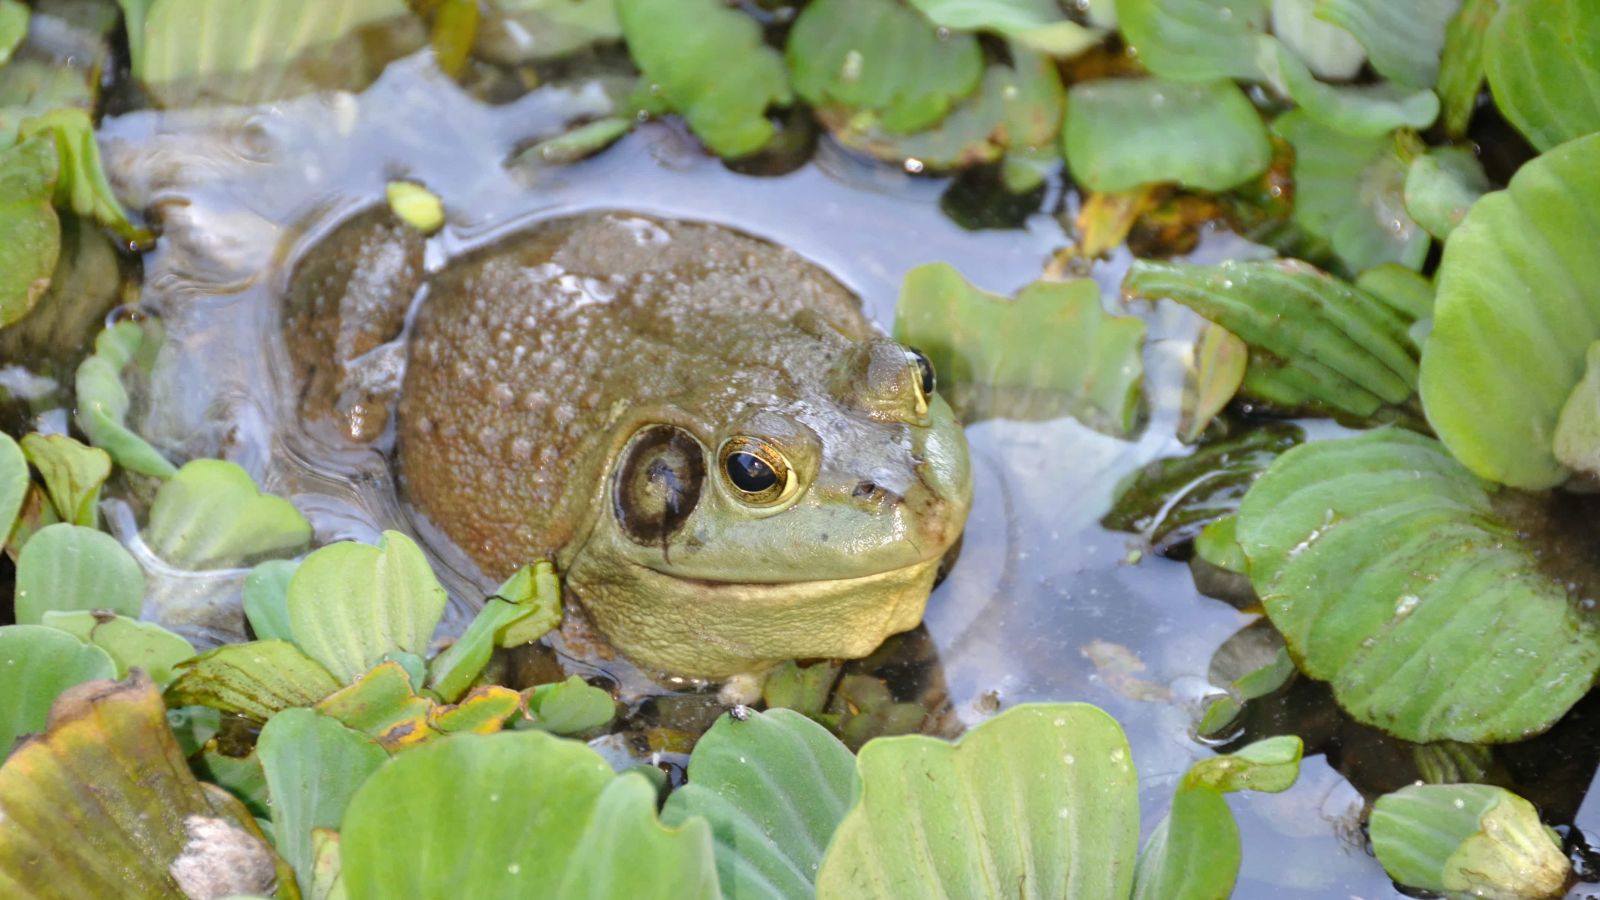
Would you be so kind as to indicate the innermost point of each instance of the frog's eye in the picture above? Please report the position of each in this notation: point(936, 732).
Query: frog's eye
point(757, 472)
point(924, 367)
point(658, 483)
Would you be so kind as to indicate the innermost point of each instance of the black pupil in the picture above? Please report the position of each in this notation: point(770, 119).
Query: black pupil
point(750, 473)
point(926, 369)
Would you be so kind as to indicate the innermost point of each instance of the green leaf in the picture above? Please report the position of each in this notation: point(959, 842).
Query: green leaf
point(569, 707)
point(1328, 50)
point(712, 66)
point(1337, 345)
point(557, 27)
point(36, 665)
point(267, 49)
point(1042, 795)
point(384, 703)
point(82, 186)
point(1217, 545)
point(1195, 851)
point(13, 27)
point(1441, 187)
point(103, 805)
point(255, 680)
point(803, 689)
point(69, 567)
point(30, 233)
point(1350, 192)
point(128, 642)
point(266, 599)
point(1213, 379)
point(241, 776)
point(1195, 40)
point(774, 788)
point(1410, 295)
point(13, 484)
point(1467, 840)
point(585, 140)
point(313, 767)
point(523, 610)
point(1577, 439)
point(1543, 63)
point(1052, 351)
point(1461, 67)
point(1366, 110)
point(1036, 24)
point(1515, 315)
point(1383, 564)
point(73, 475)
point(509, 814)
point(882, 58)
point(1123, 133)
point(210, 515)
point(103, 401)
point(1403, 40)
point(351, 603)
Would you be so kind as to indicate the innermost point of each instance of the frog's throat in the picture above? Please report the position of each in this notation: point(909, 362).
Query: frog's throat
point(713, 629)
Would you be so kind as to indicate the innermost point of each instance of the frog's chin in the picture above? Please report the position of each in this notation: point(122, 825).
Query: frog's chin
point(713, 629)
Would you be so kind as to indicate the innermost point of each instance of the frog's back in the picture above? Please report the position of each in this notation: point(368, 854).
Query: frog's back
point(525, 354)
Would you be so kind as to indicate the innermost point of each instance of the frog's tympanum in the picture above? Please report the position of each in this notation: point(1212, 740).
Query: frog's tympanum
point(728, 462)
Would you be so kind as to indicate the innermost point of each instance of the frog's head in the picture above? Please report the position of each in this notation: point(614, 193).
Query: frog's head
point(807, 522)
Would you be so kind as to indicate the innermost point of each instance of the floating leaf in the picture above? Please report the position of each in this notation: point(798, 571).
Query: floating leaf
point(1267, 676)
point(1217, 545)
point(1333, 342)
point(523, 610)
point(313, 767)
point(1350, 191)
point(570, 707)
point(103, 401)
point(514, 32)
point(1367, 110)
point(102, 805)
point(13, 484)
point(1515, 315)
point(1441, 187)
point(1195, 40)
point(266, 599)
point(255, 680)
point(1577, 439)
point(210, 515)
point(1461, 67)
point(36, 665)
point(1052, 351)
point(1036, 24)
point(266, 49)
point(30, 233)
point(384, 703)
point(72, 473)
point(880, 57)
point(774, 787)
point(1125, 132)
point(509, 814)
point(1328, 50)
point(1042, 795)
point(128, 642)
point(1472, 840)
point(82, 185)
point(350, 603)
point(13, 27)
point(1383, 563)
point(725, 104)
point(1195, 851)
point(1543, 64)
point(1410, 295)
point(69, 567)
point(1218, 370)
point(1403, 40)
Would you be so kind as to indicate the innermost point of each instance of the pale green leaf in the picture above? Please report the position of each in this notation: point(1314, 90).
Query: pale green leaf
point(1407, 293)
point(1543, 62)
point(255, 680)
point(73, 475)
point(1196, 40)
point(1441, 187)
point(1577, 440)
point(1037, 24)
point(129, 642)
point(514, 32)
point(1461, 67)
point(13, 27)
point(103, 401)
point(1212, 380)
point(523, 610)
point(1403, 40)
point(69, 567)
point(1328, 50)
point(13, 484)
point(210, 515)
point(1367, 110)
point(569, 707)
point(30, 233)
point(82, 186)
point(1472, 840)
point(36, 665)
point(266, 599)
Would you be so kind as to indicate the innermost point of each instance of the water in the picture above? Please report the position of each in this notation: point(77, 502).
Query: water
point(1042, 604)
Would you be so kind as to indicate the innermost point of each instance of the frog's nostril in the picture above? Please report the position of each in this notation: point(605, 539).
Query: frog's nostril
point(864, 490)
point(873, 492)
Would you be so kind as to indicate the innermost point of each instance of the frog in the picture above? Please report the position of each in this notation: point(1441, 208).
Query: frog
point(727, 460)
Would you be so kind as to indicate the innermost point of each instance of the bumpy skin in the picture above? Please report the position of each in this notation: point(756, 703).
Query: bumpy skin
point(534, 363)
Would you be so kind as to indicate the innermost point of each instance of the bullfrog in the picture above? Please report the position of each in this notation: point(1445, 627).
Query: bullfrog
point(727, 460)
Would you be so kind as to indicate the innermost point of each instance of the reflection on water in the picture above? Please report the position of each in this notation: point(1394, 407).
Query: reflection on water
point(1042, 604)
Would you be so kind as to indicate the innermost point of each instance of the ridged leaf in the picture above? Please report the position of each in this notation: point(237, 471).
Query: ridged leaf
point(211, 515)
point(255, 680)
point(1543, 62)
point(36, 664)
point(103, 401)
point(30, 232)
point(1441, 187)
point(13, 484)
point(1472, 840)
point(129, 642)
point(1461, 66)
point(69, 567)
point(1403, 40)
point(73, 475)
point(1195, 40)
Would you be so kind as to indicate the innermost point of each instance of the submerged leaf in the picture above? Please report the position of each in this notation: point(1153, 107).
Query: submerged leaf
point(30, 233)
point(255, 680)
point(1467, 840)
point(1383, 564)
point(350, 603)
point(72, 473)
point(1123, 133)
point(1515, 316)
point(69, 567)
point(36, 665)
point(211, 515)
point(774, 788)
point(1543, 62)
point(1052, 351)
point(881, 58)
point(103, 401)
point(1042, 795)
point(506, 815)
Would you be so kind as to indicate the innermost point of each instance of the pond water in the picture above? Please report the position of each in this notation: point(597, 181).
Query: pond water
point(1042, 603)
